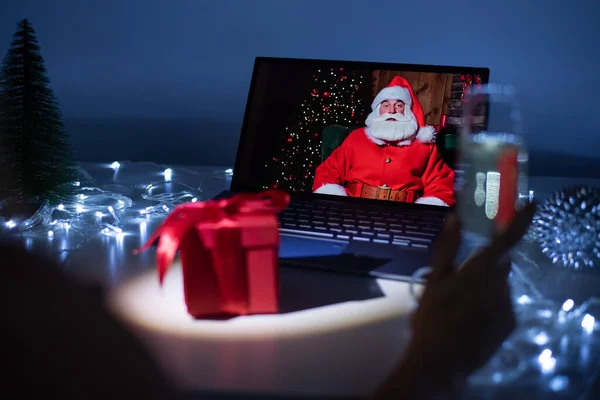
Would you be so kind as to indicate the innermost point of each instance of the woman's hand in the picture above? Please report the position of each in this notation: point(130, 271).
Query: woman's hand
point(463, 317)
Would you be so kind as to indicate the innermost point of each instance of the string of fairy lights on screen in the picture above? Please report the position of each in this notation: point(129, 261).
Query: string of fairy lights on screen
point(335, 98)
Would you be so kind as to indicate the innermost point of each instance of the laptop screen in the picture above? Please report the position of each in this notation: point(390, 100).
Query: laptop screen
point(365, 130)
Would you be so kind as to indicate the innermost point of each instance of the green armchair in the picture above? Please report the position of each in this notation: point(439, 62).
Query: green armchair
point(331, 137)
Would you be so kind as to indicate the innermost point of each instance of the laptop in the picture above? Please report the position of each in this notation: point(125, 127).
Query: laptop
point(354, 145)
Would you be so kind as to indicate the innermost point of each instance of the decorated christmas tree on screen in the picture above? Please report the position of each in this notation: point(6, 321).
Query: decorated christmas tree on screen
point(336, 97)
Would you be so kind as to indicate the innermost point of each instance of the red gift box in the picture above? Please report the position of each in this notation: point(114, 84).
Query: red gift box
point(229, 253)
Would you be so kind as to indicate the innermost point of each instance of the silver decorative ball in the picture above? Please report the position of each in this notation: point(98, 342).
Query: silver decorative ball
point(567, 227)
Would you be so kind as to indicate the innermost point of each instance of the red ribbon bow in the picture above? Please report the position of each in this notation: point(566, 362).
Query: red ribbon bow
point(186, 216)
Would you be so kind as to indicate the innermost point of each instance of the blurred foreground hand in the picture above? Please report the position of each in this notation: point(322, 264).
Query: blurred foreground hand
point(464, 316)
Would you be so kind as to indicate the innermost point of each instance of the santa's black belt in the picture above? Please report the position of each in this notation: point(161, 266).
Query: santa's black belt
point(383, 193)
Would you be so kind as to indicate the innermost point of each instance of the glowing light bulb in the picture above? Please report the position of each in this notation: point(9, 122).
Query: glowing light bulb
point(168, 174)
point(548, 365)
point(568, 305)
point(76, 183)
point(545, 355)
point(229, 171)
point(10, 224)
point(111, 228)
point(541, 338)
point(115, 165)
point(546, 361)
point(559, 383)
point(588, 323)
point(50, 234)
point(61, 207)
point(524, 299)
point(195, 199)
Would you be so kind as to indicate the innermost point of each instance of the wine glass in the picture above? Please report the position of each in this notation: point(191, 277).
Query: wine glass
point(491, 171)
point(491, 185)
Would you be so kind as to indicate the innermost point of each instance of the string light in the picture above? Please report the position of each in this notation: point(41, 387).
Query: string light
point(588, 323)
point(168, 174)
point(568, 305)
point(546, 361)
point(559, 383)
point(524, 299)
point(119, 201)
point(84, 213)
point(111, 210)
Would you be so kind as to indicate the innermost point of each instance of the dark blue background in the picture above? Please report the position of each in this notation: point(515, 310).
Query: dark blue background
point(167, 81)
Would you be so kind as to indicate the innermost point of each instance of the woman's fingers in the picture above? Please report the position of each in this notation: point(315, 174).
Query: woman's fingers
point(446, 248)
point(506, 240)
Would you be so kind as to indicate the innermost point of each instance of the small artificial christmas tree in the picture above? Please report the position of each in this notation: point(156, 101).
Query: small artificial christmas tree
point(336, 97)
point(35, 154)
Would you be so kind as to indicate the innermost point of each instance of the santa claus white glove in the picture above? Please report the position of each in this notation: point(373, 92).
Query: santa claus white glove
point(431, 201)
point(332, 188)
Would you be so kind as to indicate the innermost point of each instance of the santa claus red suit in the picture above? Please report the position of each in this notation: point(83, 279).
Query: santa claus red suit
point(393, 158)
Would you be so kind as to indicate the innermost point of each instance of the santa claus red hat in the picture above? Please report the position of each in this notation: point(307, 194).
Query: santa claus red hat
point(400, 89)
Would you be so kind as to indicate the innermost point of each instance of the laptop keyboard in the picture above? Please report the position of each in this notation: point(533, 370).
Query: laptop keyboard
point(401, 227)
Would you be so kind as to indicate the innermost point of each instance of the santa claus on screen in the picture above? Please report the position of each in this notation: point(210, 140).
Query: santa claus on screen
point(393, 158)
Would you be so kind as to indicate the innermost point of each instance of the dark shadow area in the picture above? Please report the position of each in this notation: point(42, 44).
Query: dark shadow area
point(303, 289)
point(345, 262)
point(554, 163)
point(237, 396)
point(161, 140)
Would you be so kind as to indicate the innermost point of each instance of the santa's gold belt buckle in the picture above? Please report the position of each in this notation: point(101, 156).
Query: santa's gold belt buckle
point(385, 188)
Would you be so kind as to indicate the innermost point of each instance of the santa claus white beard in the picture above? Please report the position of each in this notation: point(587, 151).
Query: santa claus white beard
point(401, 128)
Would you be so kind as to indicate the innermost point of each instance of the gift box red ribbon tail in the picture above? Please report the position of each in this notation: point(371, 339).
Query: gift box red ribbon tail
point(186, 216)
